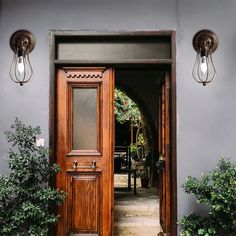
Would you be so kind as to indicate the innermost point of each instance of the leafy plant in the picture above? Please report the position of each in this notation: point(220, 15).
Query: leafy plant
point(137, 148)
point(125, 108)
point(25, 196)
point(217, 190)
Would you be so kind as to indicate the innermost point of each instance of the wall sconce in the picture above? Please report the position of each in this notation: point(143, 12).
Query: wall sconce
point(205, 42)
point(22, 42)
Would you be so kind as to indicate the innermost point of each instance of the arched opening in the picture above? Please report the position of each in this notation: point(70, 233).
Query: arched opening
point(132, 132)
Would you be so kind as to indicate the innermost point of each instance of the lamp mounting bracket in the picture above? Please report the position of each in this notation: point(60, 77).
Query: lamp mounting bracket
point(205, 40)
point(22, 39)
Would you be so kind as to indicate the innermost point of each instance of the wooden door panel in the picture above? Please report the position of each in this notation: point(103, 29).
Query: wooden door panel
point(85, 150)
point(88, 115)
point(162, 172)
point(84, 203)
point(164, 150)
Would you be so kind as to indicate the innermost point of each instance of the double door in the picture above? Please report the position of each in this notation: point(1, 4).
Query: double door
point(84, 151)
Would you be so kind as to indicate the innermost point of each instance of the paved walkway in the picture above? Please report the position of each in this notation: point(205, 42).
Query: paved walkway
point(135, 215)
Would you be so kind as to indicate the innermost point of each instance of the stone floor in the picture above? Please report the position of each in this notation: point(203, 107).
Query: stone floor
point(135, 215)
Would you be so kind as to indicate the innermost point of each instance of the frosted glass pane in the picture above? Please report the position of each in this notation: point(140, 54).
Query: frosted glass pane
point(84, 119)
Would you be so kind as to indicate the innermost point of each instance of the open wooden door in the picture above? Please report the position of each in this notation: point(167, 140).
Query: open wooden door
point(163, 164)
point(85, 150)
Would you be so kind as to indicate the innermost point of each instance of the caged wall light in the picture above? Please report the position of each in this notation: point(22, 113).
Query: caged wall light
point(22, 42)
point(205, 42)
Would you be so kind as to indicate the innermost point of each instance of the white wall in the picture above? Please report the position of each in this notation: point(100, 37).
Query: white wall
point(206, 115)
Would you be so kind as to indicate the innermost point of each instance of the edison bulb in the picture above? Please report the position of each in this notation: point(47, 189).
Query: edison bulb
point(203, 69)
point(203, 65)
point(21, 70)
point(21, 64)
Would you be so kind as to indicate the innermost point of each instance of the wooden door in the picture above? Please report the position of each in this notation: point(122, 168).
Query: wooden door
point(85, 150)
point(164, 154)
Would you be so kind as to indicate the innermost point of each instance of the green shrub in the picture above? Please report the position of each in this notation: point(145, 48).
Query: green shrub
point(25, 196)
point(217, 190)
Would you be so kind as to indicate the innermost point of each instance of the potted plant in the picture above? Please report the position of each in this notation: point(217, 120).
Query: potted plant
point(145, 176)
point(127, 110)
point(25, 196)
point(217, 190)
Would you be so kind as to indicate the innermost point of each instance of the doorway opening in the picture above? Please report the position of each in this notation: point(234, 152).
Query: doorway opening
point(136, 177)
point(90, 61)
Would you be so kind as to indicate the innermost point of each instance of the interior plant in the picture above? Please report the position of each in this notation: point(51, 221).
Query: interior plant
point(137, 148)
point(25, 196)
point(217, 190)
point(125, 109)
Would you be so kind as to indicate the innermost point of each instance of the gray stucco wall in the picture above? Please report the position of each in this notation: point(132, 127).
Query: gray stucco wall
point(206, 115)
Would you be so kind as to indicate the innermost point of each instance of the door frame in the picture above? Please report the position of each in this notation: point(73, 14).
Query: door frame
point(165, 64)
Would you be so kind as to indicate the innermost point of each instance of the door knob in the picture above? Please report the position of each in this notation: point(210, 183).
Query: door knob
point(93, 166)
point(75, 164)
point(161, 163)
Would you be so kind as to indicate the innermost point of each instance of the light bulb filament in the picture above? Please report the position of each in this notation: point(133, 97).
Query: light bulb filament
point(203, 64)
point(20, 64)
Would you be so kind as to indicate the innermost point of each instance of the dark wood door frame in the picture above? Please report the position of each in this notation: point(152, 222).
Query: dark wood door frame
point(168, 64)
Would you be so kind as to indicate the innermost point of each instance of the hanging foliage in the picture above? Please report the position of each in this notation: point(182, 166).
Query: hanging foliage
point(126, 109)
